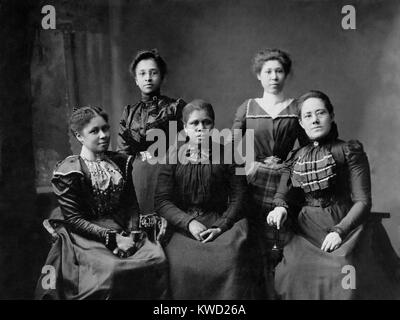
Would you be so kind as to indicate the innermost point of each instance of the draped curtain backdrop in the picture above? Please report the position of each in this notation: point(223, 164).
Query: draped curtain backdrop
point(208, 46)
point(75, 65)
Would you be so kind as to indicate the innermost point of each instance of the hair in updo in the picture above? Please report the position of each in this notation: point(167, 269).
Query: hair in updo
point(272, 54)
point(199, 105)
point(314, 94)
point(145, 55)
point(80, 117)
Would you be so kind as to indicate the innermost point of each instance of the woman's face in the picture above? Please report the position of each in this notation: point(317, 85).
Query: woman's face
point(198, 126)
point(315, 118)
point(95, 136)
point(148, 76)
point(272, 76)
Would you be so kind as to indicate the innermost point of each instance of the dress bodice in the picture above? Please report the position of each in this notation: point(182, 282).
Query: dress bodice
point(138, 119)
point(272, 136)
point(89, 191)
point(107, 184)
point(204, 187)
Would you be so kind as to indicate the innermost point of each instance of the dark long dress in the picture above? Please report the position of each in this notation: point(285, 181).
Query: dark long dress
point(274, 138)
point(212, 194)
point(138, 122)
point(333, 178)
point(96, 198)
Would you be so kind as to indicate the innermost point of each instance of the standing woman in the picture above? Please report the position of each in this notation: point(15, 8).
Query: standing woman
point(153, 111)
point(95, 254)
point(273, 118)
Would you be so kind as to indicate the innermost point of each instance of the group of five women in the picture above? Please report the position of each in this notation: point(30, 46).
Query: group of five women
point(218, 227)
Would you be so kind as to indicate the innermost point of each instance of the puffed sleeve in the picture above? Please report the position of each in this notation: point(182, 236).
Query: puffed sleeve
point(69, 193)
point(360, 185)
point(282, 196)
point(128, 216)
point(124, 139)
point(240, 121)
point(237, 189)
point(164, 199)
point(178, 113)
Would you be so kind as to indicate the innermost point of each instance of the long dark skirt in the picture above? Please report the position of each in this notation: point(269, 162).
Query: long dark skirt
point(86, 269)
point(220, 269)
point(353, 271)
point(262, 191)
point(144, 177)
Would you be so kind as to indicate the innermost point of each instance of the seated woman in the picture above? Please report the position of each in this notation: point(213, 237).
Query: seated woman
point(99, 253)
point(202, 199)
point(331, 254)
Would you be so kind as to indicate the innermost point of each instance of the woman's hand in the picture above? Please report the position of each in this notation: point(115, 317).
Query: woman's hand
point(196, 228)
point(277, 217)
point(163, 229)
point(124, 243)
point(251, 170)
point(210, 234)
point(332, 242)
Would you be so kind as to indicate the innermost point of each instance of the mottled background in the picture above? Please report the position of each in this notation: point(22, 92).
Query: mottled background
point(208, 46)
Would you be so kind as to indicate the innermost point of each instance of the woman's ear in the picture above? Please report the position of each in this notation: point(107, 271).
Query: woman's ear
point(301, 123)
point(78, 136)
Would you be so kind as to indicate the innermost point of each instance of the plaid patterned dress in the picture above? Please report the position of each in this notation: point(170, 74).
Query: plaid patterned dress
point(274, 138)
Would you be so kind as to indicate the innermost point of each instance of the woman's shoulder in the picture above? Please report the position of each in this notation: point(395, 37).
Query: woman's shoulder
point(292, 107)
point(172, 102)
point(245, 104)
point(354, 151)
point(70, 165)
point(129, 108)
point(353, 146)
point(349, 151)
point(349, 147)
point(66, 173)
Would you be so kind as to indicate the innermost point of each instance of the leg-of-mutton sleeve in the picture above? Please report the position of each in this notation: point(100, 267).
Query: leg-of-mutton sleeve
point(125, 142)
point(165, 199)
point(360, 185)
point(178, 114)
point(282, 196)
point(128, 215)
point(123, 138)
point(236, 198)
point(69, 192)
point(239, 122)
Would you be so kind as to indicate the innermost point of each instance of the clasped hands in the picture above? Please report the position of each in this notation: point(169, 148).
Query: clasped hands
point(201, 233)
point(126, 246)
point(278, 216)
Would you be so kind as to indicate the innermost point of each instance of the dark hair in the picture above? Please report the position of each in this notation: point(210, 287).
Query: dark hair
point(271, 54)
point(80, 117)
point(199, 105)
point(314, 94)
point(145, 55)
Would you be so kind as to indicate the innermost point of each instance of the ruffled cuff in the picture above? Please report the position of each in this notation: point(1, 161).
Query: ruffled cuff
point(278, 202)
point(111, 240)
point(339, 231)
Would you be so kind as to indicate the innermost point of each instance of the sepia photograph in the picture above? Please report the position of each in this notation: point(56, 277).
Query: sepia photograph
point(222, 151)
